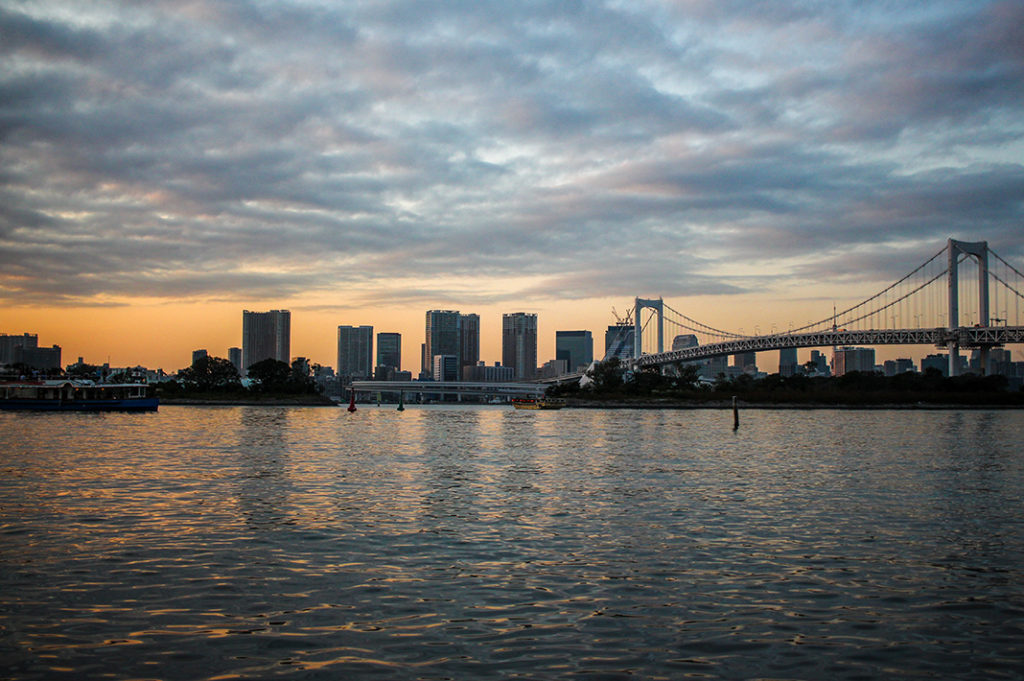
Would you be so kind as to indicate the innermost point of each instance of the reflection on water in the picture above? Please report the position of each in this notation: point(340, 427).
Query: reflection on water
point(479, 542)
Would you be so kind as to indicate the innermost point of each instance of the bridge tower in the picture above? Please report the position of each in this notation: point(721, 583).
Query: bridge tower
point(657, 305)
point(979, 250)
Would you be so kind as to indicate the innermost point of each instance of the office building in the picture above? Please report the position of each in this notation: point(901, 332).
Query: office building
point(745, 361)
point(788, 365)
point(443, 337)
point(481, 373)
point(446, 368)
point(683, 341)
point(519, 344)
point(389, 350)
point(355, 352)
point(235, 357)
point(938, 362)
point(553, 368)
point(892, 367)
point(266, 335)
point(818, 363)
point(198, 355)
point(469, 335)
point(618, 341)
point(576, 348)
point(846, 360)
point(38, 358)
point(8, 343)
point(715, 367)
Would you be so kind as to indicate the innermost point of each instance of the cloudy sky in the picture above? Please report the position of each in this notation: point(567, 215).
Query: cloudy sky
point(165, 164)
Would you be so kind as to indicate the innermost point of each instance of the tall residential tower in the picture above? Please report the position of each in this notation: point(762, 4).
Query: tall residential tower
point(519, 343)
point(355, 352)
point(266, 335)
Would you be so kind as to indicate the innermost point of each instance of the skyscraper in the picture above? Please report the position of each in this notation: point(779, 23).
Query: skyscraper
point(575, 347)
point(787, 362)
point(389, 350)
point(519, 343)
point(618, 341)
point(28, 341)
point(235, 357)
point(469, 340)
point(266, 335)
point(443, 337)
point(742, 360)
point(355, 351)
point(845, 360)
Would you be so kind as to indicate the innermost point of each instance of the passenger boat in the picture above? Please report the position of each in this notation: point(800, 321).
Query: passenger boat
point(72, 395)
point(537, 403)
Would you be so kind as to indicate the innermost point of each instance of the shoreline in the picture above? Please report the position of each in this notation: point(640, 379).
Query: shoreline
point(589, 404)
point(224, 402)
point(924, 406)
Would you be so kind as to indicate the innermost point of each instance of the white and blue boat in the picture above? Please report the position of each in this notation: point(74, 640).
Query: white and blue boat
point(73, 395)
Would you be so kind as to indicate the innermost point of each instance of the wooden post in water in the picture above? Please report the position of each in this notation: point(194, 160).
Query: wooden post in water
point(735, 414)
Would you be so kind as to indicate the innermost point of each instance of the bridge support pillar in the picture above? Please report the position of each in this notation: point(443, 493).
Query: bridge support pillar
point(978, 249)
point(657, 305)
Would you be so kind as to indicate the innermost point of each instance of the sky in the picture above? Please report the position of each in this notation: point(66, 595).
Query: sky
point(165, 165)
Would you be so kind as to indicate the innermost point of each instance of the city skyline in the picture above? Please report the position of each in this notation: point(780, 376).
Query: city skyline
point(168, 165)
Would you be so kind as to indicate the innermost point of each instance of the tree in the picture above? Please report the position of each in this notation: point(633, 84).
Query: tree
point(606, 376)
point(301, 378)
point(270, 375)
point(210, 373)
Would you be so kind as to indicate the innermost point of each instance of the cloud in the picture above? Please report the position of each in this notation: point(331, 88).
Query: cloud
point(216, 150)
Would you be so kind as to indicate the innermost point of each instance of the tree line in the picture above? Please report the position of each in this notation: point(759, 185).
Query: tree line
point(612, 381)
point(218, 375)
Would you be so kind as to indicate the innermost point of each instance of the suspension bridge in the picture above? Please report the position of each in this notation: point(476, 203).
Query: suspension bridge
point(965, 297)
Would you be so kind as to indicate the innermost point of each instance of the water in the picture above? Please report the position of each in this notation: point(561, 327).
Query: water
point(486, 543)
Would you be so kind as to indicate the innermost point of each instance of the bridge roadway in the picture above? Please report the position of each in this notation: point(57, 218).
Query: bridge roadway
point(451, 388)
point(966, 337)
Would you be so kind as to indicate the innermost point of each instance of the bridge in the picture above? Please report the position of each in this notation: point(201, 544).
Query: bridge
point(461, 388)
point(932, 305)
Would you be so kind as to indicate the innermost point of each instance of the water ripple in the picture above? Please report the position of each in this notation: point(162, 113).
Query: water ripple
point(467, 542)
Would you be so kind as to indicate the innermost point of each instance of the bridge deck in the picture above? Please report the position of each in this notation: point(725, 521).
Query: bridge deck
point(965, 337)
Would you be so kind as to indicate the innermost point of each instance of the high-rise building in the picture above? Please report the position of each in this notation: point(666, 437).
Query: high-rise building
point(481, 373)
point(446, 368)
point(266, 335)
point(443, 337)
point(519, 343)
point(235, 357)
point(742, 360)
point(553, 368)
point(788, 365)
point(683, 341)
point(355, 352)
point(198, 355)
point(389, 350)
point(27, 341)
point(937, 362)
point(819, 363)
point(576, 348)
point(469, 337)
point(619, 341)
point(38, 358)
point(846, 360)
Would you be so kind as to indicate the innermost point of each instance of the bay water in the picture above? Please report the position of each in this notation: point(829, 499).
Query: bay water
point(480, 542)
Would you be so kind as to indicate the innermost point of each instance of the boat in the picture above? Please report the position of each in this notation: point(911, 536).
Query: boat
point(537, 403)
point(76, 395)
